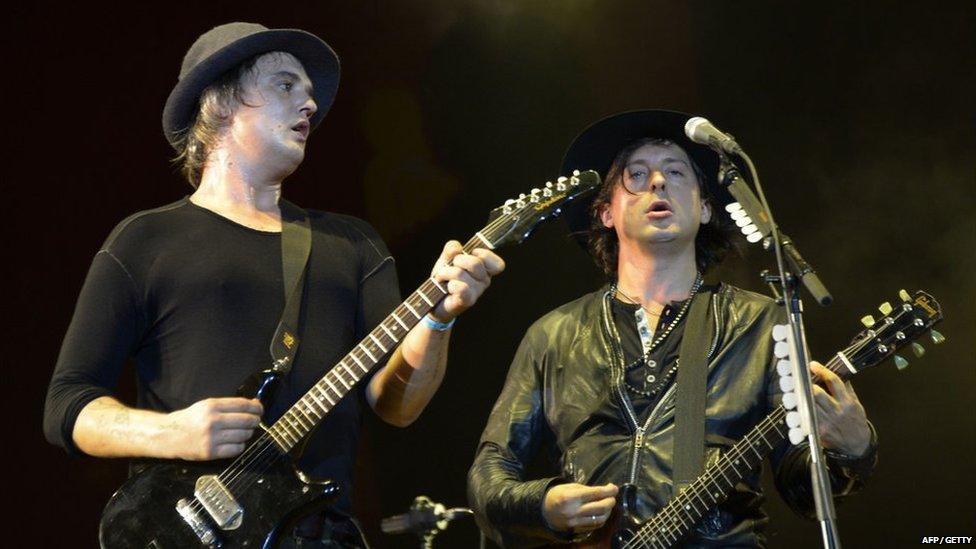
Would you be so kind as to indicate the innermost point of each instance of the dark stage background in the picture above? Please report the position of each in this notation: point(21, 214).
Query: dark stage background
point(859, 117)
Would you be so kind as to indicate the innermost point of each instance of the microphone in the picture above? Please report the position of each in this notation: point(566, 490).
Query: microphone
point(701, 131)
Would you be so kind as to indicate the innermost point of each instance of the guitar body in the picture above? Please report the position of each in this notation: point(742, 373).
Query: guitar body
point(143, 512)
point(618, 529)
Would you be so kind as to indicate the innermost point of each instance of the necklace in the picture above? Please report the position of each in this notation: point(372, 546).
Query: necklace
point(656, 312)
point(650, 378)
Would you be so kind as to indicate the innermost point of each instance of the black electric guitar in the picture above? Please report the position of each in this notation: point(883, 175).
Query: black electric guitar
point(252, 500)
point(898, 327)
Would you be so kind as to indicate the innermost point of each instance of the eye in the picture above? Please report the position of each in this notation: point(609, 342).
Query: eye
point(676, 172)
point(636, 173)
point(286, 85)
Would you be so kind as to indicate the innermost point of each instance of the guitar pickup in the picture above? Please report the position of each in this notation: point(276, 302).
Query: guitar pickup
point(219, 503)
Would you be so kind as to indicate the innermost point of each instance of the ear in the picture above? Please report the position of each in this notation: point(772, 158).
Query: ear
point(706, 212)
point(605, 215)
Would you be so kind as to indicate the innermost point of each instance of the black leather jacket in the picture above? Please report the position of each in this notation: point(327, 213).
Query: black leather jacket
point(563, 395)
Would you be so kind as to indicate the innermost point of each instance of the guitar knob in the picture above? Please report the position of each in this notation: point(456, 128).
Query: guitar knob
point(900, 362)
point(885, 308)
point(918, 349)
point(937, 338)
point(903, 294)
point(867, 320)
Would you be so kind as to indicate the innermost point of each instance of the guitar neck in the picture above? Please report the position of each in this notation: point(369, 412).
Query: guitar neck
point(315, 404)
point(713, 487)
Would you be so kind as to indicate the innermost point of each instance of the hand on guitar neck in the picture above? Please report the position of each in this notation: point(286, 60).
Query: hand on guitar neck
point(842, 421)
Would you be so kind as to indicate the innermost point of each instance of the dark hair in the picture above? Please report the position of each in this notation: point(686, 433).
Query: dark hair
point(217, 105)
point(712, 242)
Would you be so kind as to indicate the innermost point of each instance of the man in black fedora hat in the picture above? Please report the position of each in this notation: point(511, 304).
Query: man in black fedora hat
point(192, 292)
point(605, 386)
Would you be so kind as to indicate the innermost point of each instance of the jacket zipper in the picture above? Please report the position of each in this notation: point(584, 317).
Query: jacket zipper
point(641, 430)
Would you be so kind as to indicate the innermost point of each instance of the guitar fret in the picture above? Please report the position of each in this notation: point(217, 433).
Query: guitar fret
point(340, 379)
point(438, 285)
point(377, 342)
point(366, 350)
point(309, 411)
point(395, 317)
point(337, 392)
point(753, 448)
point(314, 403)
point(274, 436)
point(324, 393)
point(388, 332)
point(356, 360)
point(411, 309)
point(425, 298)
point(350, 372)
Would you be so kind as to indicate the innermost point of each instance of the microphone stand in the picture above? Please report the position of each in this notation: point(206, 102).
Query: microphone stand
point(792, 269)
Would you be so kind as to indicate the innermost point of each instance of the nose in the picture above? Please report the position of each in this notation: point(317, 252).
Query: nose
point(657, 181)
point(309, 108)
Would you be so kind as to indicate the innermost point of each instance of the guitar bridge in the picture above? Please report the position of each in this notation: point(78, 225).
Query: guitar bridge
point(218, 502)
point(196, 523)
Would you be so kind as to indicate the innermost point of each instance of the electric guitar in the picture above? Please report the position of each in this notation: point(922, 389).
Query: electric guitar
point(898, 327)
point(254, 499)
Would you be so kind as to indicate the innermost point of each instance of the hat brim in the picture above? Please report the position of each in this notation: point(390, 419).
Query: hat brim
point(596, 147)
point(319, 60)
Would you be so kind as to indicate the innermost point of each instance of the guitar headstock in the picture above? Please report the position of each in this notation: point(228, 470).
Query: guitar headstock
point(899, 326)
point(515, 220)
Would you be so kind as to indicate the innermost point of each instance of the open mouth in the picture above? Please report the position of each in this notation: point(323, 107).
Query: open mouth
point(659, 208)
point(302, 128)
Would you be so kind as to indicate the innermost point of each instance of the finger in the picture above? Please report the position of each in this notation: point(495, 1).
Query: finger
point(237, 404)
point(585, 523)
point(596, 493)
point(493, 263)
point(237, 420)
point(233, 436)
point(599, 507)
point(228, 450)
point(824, 400)
point(451, 249)
point(830, 381)
point(473, 265)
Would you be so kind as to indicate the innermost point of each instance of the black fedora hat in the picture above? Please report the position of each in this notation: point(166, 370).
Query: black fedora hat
point(596, 147)
point(224, 47)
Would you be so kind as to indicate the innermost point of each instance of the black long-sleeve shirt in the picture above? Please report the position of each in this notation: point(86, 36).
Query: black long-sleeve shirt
point(193, 299)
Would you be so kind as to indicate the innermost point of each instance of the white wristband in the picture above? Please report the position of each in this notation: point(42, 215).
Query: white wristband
point(436, 325)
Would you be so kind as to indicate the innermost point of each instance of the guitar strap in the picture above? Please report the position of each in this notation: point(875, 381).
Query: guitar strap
point(296, 245)
point(689, 413)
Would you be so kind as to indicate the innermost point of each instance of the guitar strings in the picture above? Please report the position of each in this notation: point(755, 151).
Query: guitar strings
point(646, 534)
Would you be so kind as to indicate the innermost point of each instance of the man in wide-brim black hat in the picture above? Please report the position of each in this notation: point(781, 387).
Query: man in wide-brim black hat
point(597, 382)
point(192, 292)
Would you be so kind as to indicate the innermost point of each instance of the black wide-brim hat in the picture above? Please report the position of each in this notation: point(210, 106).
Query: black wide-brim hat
point(225, 47)
point(596, 147)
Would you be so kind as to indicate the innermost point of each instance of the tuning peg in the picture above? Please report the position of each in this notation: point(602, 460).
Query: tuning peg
point(900, 362)
point(885, 308)
point(754, 237)
point(749, 229)
point(918, 349)
point(903, 294)
point(576, 172)
point(937, 338)
point(562, 179)
point(780, 331)
point(739, 214)
point(867, 320)
point(733, 207)
point(547, 192)
point(548, 184)
point(743, 221)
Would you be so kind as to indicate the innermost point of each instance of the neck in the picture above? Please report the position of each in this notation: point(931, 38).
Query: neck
point(656, 278)
point(228, 186)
